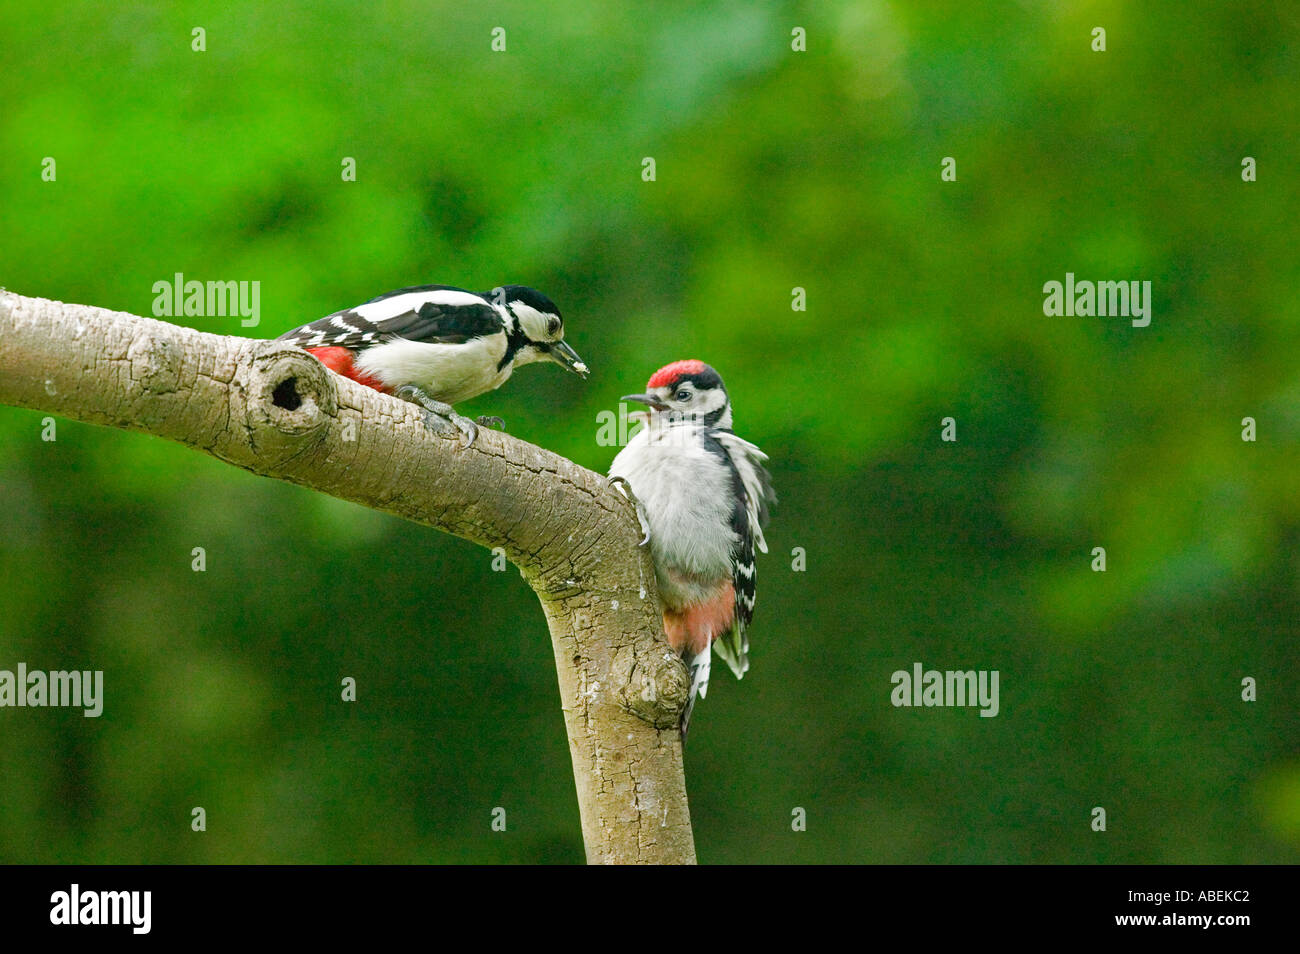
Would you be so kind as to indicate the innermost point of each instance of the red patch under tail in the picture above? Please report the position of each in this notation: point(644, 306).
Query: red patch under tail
point(340, 361)
point(692, 628)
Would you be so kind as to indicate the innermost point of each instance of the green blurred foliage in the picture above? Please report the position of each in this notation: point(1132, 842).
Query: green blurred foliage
point(775, 169)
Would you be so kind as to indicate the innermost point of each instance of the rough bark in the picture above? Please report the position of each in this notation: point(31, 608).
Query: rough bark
point(274, 410)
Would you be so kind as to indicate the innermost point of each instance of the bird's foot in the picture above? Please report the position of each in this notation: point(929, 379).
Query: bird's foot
point(440, 417)
point(492, 421)
point(623, 487)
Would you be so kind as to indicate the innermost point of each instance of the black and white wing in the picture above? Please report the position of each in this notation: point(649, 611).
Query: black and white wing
point(434, 314)
point(754, 497)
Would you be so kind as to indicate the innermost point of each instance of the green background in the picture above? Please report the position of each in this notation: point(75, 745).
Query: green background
point(775, 169)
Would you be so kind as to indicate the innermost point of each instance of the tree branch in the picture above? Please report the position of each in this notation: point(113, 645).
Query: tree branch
point(276, 411)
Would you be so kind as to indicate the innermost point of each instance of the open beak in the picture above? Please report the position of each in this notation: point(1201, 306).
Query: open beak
point(648, 399)
point(567, 358)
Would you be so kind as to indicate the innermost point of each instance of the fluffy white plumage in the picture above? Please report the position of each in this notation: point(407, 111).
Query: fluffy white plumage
point(687, 498)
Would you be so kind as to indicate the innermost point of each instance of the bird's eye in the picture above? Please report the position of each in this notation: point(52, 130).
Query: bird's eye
point(553, 326)
point(683, 395)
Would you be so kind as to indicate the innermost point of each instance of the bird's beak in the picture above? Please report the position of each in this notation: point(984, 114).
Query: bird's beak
point(648, 399)
point(567, 358)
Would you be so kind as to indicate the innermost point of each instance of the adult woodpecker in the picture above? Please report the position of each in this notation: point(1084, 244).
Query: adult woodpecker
point(703, 497)
point(436, 345)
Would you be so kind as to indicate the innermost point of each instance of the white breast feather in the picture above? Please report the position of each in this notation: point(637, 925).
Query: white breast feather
point(687, 497)
point(448, 372)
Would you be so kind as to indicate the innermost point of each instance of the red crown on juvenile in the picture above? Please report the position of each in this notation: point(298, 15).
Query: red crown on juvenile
point(670, 373)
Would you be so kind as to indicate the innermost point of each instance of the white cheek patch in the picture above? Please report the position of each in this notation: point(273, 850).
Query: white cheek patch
point(700, 402)
point(532, 321)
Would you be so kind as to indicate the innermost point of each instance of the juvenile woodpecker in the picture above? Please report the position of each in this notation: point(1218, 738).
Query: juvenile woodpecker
point(436, 345)
point(703, 497)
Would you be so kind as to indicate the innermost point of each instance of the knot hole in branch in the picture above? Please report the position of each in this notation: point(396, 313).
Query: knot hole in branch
point(290, 395)
point(285, 395)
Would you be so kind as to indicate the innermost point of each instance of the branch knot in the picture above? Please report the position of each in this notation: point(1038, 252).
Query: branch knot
point(290, 400)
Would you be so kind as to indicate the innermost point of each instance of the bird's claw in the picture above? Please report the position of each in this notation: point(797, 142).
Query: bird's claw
point(466, 427)
point(443, 423)
point(623, 487)
point(492, 421)
point(439, 416)
point(436, 423)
